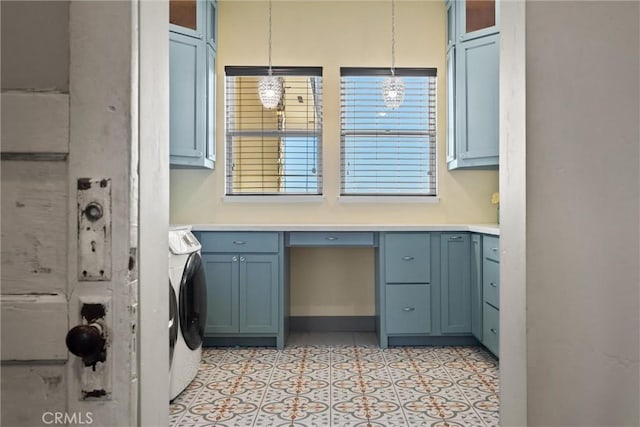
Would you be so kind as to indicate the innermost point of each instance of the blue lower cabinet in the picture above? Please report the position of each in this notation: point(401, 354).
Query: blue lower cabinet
point(407, 257)
point(491, 293)
point(491, 285)
point(408, 309)
point(455, 283)
point(476, 286)
point(491, 325)
point(242, 293)
point(258, 293)
point(246, 291)
point(223, 283)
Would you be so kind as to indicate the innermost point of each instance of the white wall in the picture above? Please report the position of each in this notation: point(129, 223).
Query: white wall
point(513, 225)
point(582, 211)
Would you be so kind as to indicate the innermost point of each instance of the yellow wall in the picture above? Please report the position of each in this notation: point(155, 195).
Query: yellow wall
point(332, 34)
point(344, 289)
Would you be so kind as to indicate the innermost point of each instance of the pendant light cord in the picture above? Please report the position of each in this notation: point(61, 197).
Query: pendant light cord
point(393, 38)
point(269, 37)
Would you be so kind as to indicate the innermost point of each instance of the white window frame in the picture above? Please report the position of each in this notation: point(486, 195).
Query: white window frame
point(373, 184)
point(311, 191)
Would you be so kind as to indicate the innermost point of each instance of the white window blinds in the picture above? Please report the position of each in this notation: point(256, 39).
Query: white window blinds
point(386, 151)
point(277, 151)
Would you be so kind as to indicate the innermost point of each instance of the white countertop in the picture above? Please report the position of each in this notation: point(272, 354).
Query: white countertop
point(477, 228)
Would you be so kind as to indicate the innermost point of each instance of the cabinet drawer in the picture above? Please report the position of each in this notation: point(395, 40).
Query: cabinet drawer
point(244, 241)
point(322, 238)
point(491, 283)
point(491, 329)
point(408, 309)
point(491, 247)
point(407, 258)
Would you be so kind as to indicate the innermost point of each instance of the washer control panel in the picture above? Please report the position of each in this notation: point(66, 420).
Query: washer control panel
point(182, 241)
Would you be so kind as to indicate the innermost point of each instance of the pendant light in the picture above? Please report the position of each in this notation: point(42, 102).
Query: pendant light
point(270, 87)
point(393, 87)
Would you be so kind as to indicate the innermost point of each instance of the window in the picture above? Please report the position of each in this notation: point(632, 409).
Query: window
point(277, 151)
point(385, 151)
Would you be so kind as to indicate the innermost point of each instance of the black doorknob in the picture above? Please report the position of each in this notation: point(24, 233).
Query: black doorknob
point(87, 342)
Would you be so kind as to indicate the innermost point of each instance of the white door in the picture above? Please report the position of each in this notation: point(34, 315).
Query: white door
point(71, 106)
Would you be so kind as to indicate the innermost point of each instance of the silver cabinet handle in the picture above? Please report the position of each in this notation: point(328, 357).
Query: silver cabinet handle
point(455, 237)
point(407, 258)
point(494, 249)
point(239, 242)
point(494, 331)
point(234, 259)
point(408, 309)
point(242, 259)
point(331, 238)
point(493, 284)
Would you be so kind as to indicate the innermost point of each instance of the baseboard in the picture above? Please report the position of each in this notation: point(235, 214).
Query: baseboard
point(429, 340)
point(332, 324)
point(239, 342)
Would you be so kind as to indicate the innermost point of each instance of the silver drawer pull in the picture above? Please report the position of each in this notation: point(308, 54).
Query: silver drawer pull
point(494, 249)
point(408, 309)
point(455, 237)
point(239, 242)
point(331, 238)
point(407, 258)
point(494, 331)
point(234, 259)
point(493, 284)
point(242, 259)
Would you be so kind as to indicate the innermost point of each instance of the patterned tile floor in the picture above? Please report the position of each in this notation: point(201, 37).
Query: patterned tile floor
point(341, 381)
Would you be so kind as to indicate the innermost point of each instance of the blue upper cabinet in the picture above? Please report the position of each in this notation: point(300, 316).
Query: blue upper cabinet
point(477, 18)
point(451, 24)
point(187, 17)
point(211, 20)
point(192, 58)
point(472, 84)
point(187, 99)
point(477, 93)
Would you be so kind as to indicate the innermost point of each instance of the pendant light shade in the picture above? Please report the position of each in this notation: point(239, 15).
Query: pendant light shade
point(393, 92)
point(270, 91)
point(393, 87)
point(270, 87)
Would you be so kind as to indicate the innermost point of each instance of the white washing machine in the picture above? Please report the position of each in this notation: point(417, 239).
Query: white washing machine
point(187, 308)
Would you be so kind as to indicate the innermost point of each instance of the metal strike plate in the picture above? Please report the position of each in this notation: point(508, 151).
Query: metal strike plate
point(94, 229)
point(95, 381)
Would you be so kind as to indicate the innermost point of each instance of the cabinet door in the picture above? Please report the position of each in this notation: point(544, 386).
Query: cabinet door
point(221, 271)
point(451, 24)
point(259, 284)
point(211, 19)
point(451, 104)
point(210, 136)
point(476, 286)
point(477, 18)
point(455, 291)
point(186, 17)
point(186, 100)
point(477, 98)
